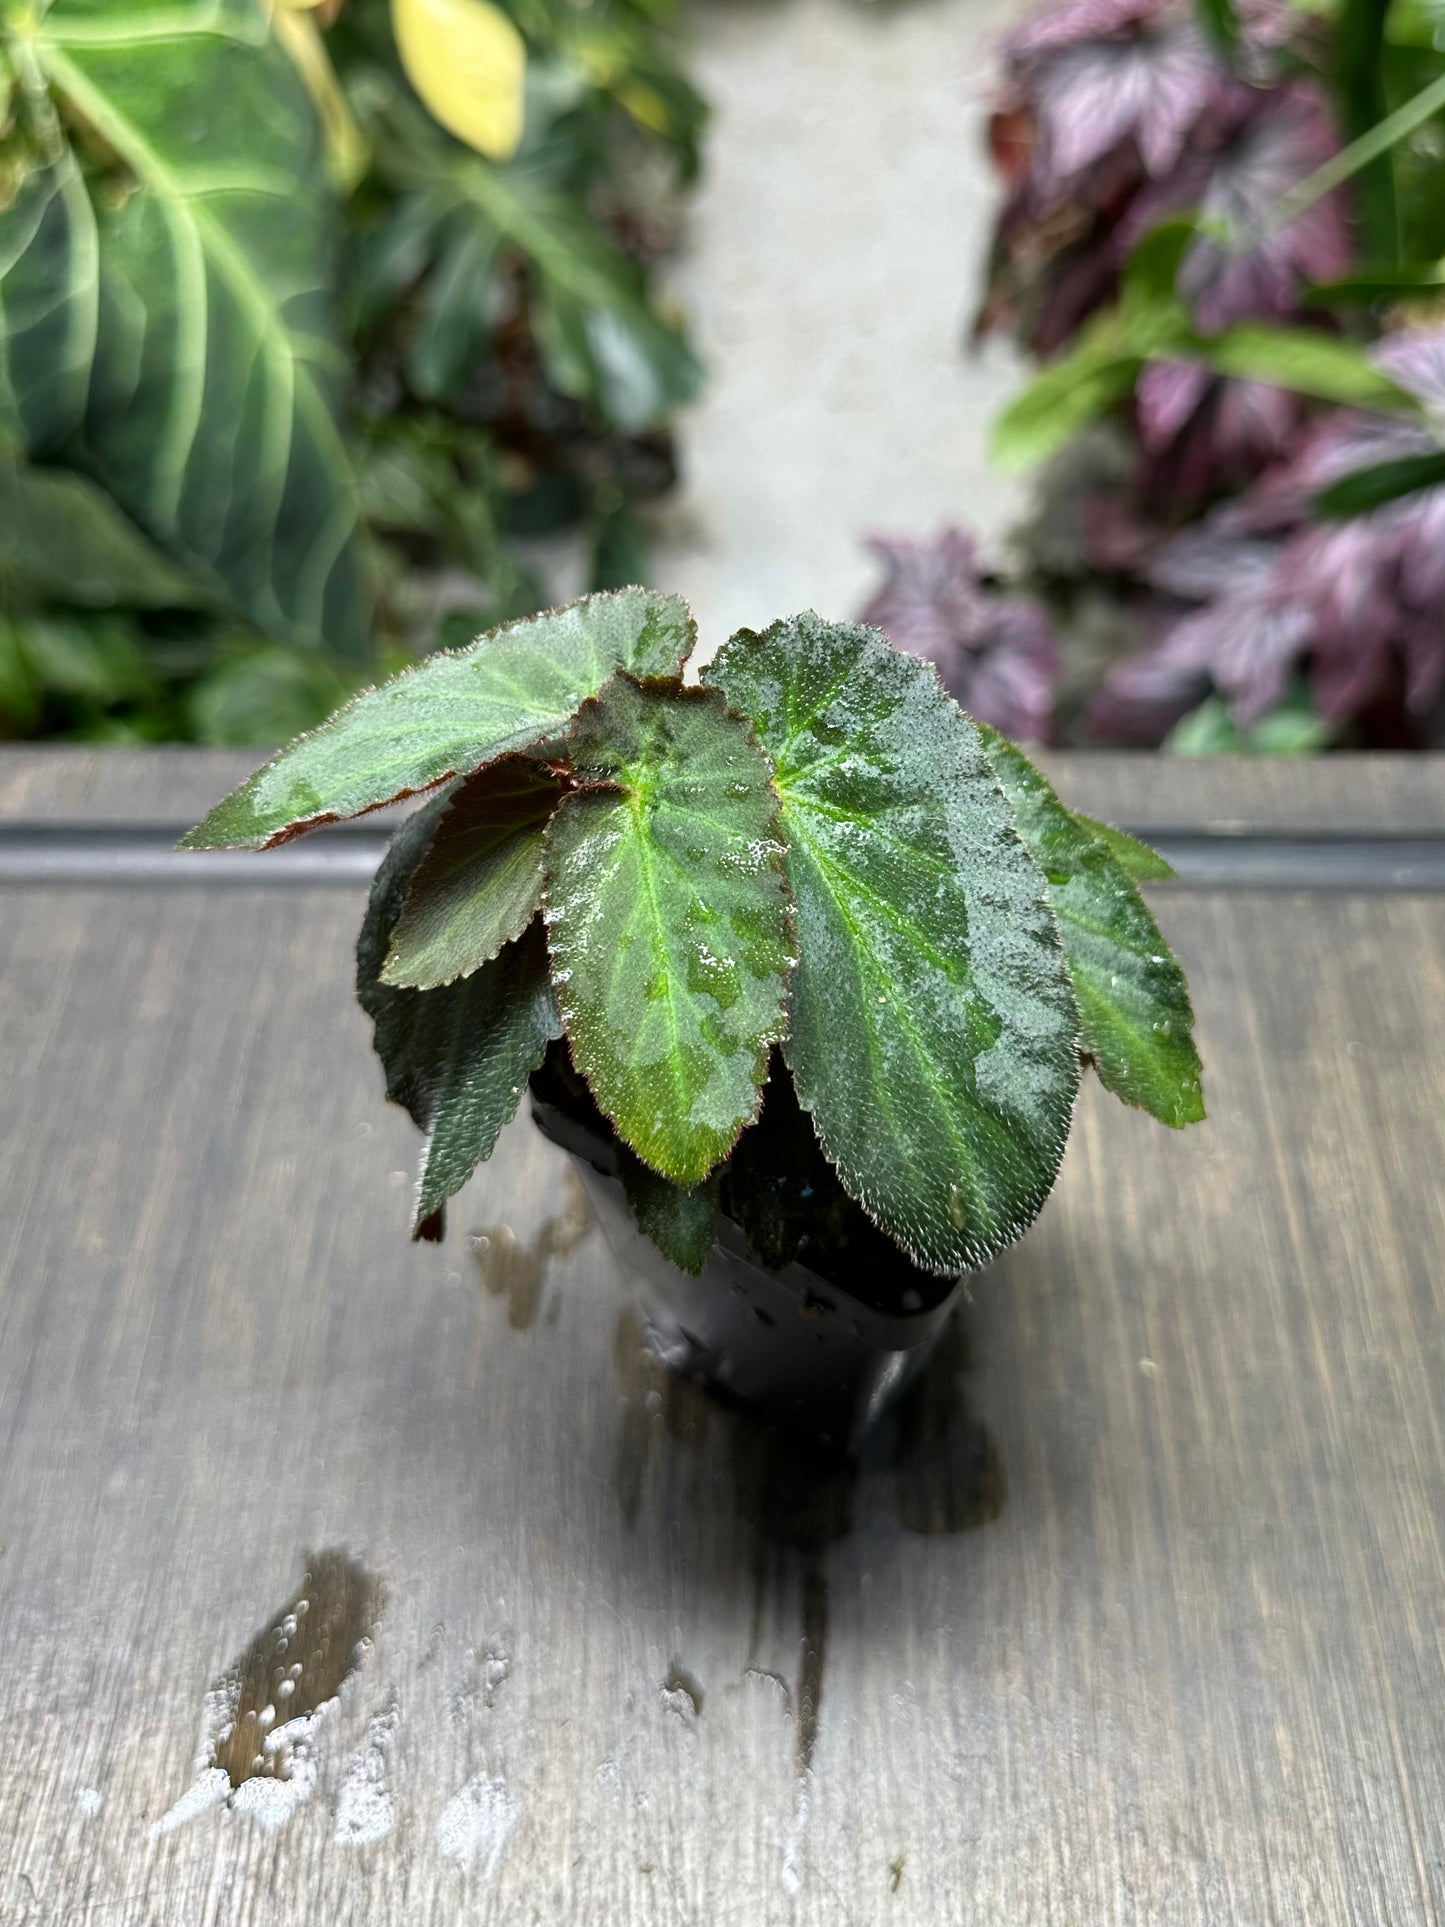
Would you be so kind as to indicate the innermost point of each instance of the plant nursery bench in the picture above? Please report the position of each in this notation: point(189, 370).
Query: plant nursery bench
point(1135, 1615)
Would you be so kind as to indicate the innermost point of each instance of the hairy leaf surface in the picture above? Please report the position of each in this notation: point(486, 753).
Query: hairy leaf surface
point(1134, 858)
point(679, 1219)
point(480, 883)
point(168, 332)
point(512, 690)
point(457, 1058)
point(667, 916)
point(933, 1028)
point(1133, 1001)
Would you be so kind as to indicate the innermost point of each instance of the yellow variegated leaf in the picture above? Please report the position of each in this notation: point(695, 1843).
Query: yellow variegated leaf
point(468, 63)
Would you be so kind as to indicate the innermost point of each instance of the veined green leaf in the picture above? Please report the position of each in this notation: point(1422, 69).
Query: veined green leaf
point(170, 335)
point(1305, 362)
point(512, 690)
point(679, 1219)
point(601, 338)
point(49, 304)
point(456, 313)
point(1378, 282)
point(1061, 401)
point(667, 916)
point(480, 883)
point(934, 1034)
point(1134, 858)
point(1294, 727)
point(458, 1058)
point(602, 334)
point(1370, 488)
point(65, 535)
point(1133, 1001)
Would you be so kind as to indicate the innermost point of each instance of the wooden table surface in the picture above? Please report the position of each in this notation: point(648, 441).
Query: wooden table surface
point(1139, 1618)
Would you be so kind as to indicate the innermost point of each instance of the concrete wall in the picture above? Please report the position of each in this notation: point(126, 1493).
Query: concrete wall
point(833, 259)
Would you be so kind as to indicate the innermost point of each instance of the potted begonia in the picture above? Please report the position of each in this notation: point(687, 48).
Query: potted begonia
point(801, 964)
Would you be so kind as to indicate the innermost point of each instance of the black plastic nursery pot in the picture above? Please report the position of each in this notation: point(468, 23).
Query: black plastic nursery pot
point(823, 1360)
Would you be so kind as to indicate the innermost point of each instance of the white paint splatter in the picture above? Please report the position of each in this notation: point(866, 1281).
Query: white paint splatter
point(209, 1788)
point(796, 1837)
point(365, 1810)
point(477, 1822)
point(272, 1799)
point(89, 1801)
point(267, 1798)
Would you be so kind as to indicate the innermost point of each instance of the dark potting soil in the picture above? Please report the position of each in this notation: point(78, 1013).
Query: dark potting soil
point(782, 1193)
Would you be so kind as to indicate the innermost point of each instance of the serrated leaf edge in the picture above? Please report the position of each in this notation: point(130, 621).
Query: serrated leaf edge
point(422, 1218)
point(976, 1256)
point(1085, 824)
point(302, 826)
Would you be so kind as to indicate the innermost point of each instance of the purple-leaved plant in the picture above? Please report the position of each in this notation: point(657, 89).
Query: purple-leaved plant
point(995, 652)
point(1116, 115)
point(1264, 590)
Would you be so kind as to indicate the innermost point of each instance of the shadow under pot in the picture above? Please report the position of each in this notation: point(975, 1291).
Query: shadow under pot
point(803, 1309)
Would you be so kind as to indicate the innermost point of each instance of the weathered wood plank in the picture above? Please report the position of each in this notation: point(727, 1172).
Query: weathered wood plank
point(1191, 1672)
point(1402, 795)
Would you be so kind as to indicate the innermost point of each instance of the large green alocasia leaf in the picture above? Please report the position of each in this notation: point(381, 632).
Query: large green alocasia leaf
point(49, 303)
point(62, 534)
point(169, 334)
point(1133, 1001)
point(667, 917)
point(512, 690)
point(480, 883)
point(934, 1034)
point(458, 1058)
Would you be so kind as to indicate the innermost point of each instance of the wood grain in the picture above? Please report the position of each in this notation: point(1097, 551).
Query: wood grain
point(635, 1665)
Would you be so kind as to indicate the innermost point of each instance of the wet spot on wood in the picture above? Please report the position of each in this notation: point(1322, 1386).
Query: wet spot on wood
point(296, 1664)
point(516, 1270)
point(947, 1473)
point(812, 1662)
point(261, 1714)
point(654, 1400)
point(931, 1462)
point(488, 1668)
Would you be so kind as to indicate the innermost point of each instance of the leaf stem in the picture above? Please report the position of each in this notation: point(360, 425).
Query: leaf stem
point(1339, 168)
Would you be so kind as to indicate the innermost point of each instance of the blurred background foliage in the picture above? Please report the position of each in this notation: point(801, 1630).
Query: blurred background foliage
point(318, 317)
point(309, 316)
point(1220, 238)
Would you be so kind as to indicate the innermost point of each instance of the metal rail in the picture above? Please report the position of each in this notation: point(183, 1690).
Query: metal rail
point(143, 854)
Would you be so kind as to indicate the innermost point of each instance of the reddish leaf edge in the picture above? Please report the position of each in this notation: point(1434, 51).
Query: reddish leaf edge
point(304, 825)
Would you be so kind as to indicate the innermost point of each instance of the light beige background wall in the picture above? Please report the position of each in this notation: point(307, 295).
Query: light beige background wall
point(834, 254)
